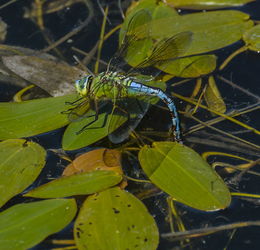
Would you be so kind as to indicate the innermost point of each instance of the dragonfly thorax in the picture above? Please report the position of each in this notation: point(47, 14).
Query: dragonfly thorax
point(105, 84)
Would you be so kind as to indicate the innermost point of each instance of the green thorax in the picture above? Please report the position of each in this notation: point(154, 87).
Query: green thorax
point(107, 85)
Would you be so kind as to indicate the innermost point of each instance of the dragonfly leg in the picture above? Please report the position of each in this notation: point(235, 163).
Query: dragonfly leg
point(75, 102)
point(95, 119)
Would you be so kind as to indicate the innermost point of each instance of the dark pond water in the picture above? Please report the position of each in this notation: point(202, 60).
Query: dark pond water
point(243, 71)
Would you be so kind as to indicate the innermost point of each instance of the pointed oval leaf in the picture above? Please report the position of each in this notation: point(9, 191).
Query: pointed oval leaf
point(33, 117)
point(252, 38)
point(155, 10)
point(207, 4)
point(194, 66)
point(97, 130)
point(223, 28)
point(183, 174)
point(115, 219)
point(22, 162)
point(25, 225)
point(77, 184)
point(213, 97)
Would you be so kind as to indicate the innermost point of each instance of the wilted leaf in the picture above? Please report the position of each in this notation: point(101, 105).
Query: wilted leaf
point(25, 225)
point(206, 4)
point(77, 184)
point(183, 174)
point(33, 117)
point(115, 219)
point(213, 97)
point(56, 78)
point(98, 159)
point(252, 38)
point(21, 163)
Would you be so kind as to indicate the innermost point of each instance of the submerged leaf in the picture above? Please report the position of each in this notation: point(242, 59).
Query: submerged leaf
point(77, 184)
point(33, 117)
point(25, 225)
point(206, 4)
point(183, 174)
point(213, 97)
point(115, 219)
point(252, 38)
point(22, 162)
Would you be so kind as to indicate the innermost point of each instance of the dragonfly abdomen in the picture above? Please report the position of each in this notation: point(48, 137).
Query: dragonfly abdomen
point(136, 88)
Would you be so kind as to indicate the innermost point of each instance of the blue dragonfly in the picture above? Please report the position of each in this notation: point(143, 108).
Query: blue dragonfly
point(115, 86)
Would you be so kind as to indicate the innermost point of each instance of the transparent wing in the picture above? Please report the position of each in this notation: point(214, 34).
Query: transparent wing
point(134, 109)
point(138, 28)
point(77, 109)
point(168, 49)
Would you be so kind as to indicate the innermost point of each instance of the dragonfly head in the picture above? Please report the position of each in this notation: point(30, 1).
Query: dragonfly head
point(83, 85)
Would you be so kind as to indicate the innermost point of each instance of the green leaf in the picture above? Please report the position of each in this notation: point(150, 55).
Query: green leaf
point(96, 130)
point(25, 225)
point(184, 175)
point(141, 29)
point(115, 219)
point(194, 66)
point(222, 29)
point(21, 163)
point(33, 117)
point(252, 38)
point(77, 184)
point(206, 4)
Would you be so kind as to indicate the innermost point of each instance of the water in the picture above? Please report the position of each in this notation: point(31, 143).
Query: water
point(244, 71)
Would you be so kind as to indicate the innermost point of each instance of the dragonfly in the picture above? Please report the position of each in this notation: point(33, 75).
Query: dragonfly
point(115, 85)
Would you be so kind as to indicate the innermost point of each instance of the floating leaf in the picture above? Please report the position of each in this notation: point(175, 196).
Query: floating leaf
point(98, 159)
point(213, 97)
point(252, 38)
point(33, 117)
point(183, 174)
point(22, 162)
point(138, 23)
point(96, 130)
point(206, 4)
point(223, 28)
point(115, 219)
point(194, 66)
point(77, 184)
point(25, 225)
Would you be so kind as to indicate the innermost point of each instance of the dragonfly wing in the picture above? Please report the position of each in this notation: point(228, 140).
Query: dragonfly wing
point(138, 28)
point(135, 110)
point(78, 110)
point(168, 49)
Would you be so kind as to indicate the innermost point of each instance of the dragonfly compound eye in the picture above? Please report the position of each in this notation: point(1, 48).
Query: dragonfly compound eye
point(83, 85)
